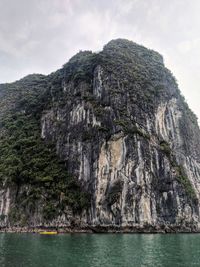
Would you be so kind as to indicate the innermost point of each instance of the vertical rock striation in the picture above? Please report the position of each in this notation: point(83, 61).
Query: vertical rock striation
point(123, 130)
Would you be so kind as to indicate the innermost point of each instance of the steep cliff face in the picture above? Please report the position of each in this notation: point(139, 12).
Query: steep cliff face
point(123, 132)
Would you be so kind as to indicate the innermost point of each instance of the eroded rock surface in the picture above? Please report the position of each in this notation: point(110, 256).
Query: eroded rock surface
point(122, 128)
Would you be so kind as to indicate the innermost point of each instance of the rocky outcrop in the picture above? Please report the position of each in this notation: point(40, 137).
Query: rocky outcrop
point(122, 128)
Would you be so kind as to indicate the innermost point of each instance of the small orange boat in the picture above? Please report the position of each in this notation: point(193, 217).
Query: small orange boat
point(48, 233)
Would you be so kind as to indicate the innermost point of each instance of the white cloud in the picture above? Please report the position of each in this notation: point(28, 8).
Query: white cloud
point(40, 36)
point(188, 45)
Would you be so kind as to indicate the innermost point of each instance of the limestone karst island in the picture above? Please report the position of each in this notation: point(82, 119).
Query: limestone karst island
point(107, 143)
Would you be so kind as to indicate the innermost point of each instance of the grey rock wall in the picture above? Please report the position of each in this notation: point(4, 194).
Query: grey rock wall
point(129, 138)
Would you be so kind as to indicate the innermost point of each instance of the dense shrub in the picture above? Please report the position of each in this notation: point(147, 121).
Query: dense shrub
point(27, 161)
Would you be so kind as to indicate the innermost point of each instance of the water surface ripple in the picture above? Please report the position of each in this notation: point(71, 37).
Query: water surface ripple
point(95, 250)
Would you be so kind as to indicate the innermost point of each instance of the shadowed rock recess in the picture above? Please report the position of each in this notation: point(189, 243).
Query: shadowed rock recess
point(107, 143)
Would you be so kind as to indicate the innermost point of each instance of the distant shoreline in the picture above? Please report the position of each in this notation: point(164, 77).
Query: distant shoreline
point(102, 229)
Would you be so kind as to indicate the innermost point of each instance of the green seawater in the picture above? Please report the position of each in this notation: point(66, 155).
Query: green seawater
point(95, 250)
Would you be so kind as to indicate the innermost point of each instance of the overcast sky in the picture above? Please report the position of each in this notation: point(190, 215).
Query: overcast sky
point(39, 36)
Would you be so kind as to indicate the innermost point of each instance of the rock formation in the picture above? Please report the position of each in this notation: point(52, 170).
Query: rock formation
point(105, 142)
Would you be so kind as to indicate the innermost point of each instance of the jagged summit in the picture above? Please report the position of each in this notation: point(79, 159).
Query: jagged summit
point(106, 141)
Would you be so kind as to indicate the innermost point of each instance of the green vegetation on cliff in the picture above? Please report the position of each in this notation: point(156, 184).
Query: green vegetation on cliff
point(28, 162)
point(122, 97)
